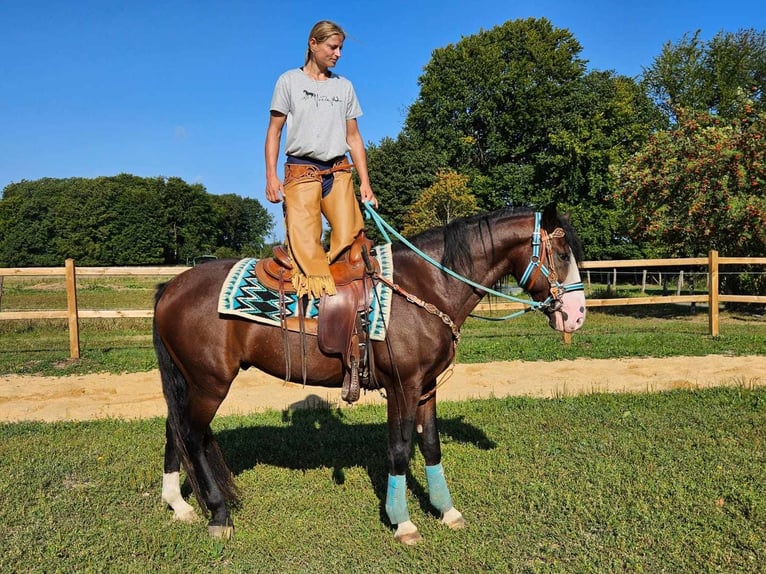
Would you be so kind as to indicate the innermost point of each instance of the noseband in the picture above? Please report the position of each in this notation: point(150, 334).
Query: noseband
point(542, 250)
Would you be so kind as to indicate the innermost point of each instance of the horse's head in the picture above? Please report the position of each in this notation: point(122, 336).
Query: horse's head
point(552, 276)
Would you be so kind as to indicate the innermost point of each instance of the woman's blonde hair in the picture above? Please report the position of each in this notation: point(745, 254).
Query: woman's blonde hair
point(321, 31)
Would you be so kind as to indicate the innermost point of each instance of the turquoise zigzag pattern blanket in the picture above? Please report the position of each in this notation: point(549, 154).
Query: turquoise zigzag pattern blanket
point(244, 296)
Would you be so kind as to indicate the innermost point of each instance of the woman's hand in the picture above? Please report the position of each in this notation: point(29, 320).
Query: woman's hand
point(274, 189)
point(367, 195)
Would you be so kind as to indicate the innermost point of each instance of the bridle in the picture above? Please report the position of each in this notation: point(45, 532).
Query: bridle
point(542, 250)
point(536, 266)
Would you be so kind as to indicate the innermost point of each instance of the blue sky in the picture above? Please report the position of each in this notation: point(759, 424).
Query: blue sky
point(182, 88)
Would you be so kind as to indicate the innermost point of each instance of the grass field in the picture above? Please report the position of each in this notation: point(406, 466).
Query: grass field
point(669, 482)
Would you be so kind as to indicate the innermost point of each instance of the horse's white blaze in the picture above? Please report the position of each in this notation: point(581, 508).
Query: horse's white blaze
point(571, 315)
point(171, 494)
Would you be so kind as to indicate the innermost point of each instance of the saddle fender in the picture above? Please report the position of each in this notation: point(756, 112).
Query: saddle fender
point(336, 334)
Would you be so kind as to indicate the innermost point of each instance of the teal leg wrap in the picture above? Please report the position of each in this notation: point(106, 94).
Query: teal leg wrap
point(396, 499)
point(437, 488)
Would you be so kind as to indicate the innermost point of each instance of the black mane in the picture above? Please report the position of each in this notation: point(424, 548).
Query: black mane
point(455, 236)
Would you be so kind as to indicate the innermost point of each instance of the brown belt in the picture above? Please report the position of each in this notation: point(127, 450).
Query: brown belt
point(307, 172)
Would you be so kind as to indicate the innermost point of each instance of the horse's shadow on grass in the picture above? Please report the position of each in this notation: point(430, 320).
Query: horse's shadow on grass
point(319, 437)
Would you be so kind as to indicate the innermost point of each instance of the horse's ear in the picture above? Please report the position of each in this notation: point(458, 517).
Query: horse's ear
point(550, 216)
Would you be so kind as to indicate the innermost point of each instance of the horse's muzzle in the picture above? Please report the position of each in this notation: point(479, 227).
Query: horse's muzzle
point(568, 313)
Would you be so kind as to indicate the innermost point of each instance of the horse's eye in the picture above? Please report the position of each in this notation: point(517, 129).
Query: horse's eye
point(565, 256)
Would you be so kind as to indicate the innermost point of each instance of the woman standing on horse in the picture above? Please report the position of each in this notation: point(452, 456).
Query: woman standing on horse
point(321, 111)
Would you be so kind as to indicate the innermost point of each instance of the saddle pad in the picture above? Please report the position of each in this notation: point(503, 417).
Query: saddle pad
point(244, 296)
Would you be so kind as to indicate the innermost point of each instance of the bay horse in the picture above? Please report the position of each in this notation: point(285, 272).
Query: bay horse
point(201, 351)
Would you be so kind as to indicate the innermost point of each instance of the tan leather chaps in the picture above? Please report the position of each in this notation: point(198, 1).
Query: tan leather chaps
point(304, 207)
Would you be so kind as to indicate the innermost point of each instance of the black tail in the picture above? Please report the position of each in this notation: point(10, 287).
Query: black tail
point(175, 390)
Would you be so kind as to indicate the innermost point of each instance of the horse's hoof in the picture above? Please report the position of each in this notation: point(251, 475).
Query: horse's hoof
point(407, 533)
point(453, 519)
point(409, 539)
point(186, 516)
point(222, 532)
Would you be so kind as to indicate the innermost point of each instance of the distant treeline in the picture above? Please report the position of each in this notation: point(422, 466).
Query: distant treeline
point(125, 220)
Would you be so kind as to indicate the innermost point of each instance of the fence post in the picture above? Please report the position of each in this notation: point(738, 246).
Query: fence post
point(713, 293)
point(71, 304)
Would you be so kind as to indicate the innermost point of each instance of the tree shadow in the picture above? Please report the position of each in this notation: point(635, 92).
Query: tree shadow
point(318, 436)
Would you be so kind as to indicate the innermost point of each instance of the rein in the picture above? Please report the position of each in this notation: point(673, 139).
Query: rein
point(534, 268)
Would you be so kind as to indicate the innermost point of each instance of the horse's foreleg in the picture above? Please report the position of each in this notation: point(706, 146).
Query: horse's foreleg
point(400, 427)
point(171, 482)
point(430, 447)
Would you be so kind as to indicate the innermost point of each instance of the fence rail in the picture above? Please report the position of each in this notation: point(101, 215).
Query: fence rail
point(713, 298)
point(73, 314)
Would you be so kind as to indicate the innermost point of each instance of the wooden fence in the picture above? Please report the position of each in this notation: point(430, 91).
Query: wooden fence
point(712, 264)
point(73, 313)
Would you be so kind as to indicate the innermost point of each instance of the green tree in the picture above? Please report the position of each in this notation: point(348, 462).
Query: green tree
point(242, 225)
point(447, 199)
point(399, 171)
point(84, 219)
point(26, 225)
point(490, 102)
point(700, 186)
point(716, 76)
point(123, 220)
point(107, 220)
point(189, 221)
point(514, 109)
point(136, 236)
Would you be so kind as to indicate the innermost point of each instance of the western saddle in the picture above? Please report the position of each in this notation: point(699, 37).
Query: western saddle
point(342, 327)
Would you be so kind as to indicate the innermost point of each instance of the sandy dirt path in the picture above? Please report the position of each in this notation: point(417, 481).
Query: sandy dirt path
point(138, 395)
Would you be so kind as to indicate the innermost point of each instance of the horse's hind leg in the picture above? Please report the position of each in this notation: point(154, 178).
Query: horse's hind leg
point(220, 524)
point(215, 483)
point(171, 481)
point(190, 441)
point(430, 447)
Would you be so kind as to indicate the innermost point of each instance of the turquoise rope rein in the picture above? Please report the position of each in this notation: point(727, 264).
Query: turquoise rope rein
point(383, 226)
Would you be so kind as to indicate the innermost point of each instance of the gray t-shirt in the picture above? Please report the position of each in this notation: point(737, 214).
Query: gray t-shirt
point(317, 112)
